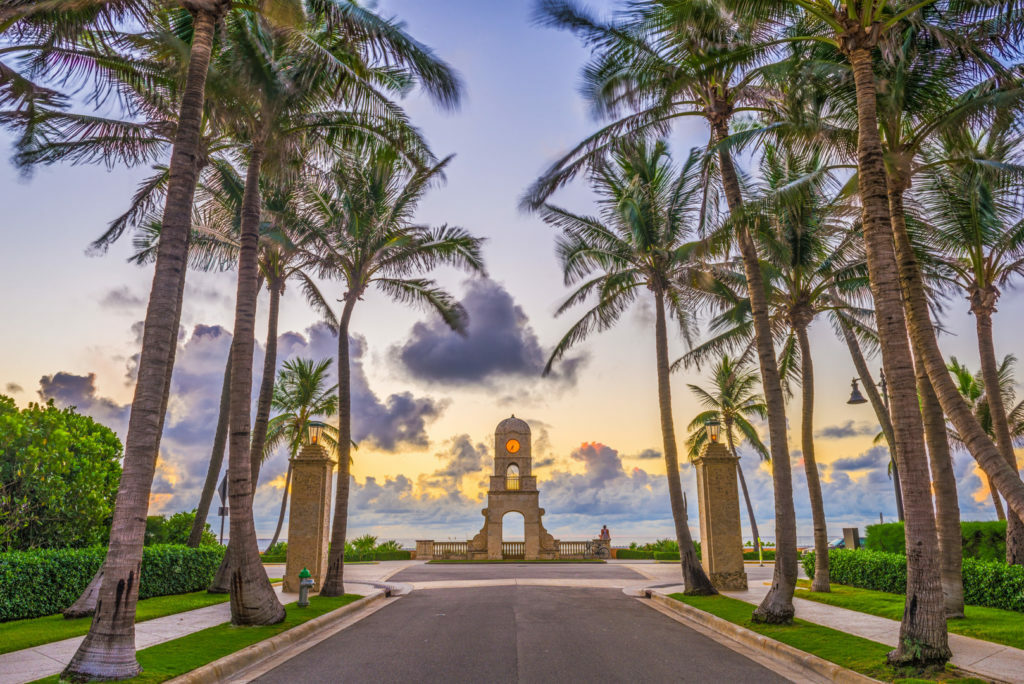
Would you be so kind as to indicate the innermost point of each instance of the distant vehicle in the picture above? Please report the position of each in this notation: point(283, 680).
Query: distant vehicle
point(837, 544)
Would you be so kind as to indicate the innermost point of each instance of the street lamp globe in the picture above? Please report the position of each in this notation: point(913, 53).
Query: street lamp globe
point(714, 428)
point(855, 396)
point(316, 429)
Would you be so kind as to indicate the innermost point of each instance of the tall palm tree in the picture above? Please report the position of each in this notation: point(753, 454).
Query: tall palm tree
point(641, 241)
point(659, 61)
point(365, 236)
point(972, 200)
point(733, 401)
point(300, 394)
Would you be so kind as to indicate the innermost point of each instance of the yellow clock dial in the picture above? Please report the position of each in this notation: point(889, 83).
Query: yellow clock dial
point(512, 446)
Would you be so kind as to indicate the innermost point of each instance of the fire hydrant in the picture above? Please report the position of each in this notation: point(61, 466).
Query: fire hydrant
point(305, 583)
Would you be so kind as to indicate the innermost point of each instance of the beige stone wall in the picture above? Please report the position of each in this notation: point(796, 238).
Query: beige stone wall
point(309, 516)
point(718, 502)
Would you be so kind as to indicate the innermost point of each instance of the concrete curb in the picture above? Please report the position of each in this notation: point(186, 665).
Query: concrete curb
point(224, 668)
point(771, 648)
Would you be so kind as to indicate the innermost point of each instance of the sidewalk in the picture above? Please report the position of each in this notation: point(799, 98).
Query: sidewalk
point(1003, 663)
point(36, 662)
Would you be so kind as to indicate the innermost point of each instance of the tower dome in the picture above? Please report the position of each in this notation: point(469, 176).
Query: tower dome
point(513, 425)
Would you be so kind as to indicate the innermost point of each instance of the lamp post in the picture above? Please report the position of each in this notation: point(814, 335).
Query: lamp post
point(714, 429)
point(857, 398)
point(314, 430)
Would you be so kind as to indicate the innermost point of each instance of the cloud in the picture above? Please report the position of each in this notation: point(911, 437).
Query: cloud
point(875, 457)
point(544, 463)
point(122, 299)
point(14, 388)
point(499, 343)
point(647, 454)
point(847, 429)
point(68, 389)
point(462, 458)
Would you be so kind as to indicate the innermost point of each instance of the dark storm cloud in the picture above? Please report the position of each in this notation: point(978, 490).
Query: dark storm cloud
point(123, 299)
point(875, 457)
point(68, 389)
point(847, 429)
point(499, 342)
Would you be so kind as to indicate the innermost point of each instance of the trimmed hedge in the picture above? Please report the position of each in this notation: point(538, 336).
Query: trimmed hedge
point(46, 581)
point(767, 554)
point(632, 554)
point(986, 583)
point(667, 555)
point(984, 541)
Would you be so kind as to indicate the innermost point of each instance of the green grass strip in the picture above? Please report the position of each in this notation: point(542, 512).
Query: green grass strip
point(471, 562)
point(178, 656)
point(847, 650)
point(990, 624)
point(19, 634)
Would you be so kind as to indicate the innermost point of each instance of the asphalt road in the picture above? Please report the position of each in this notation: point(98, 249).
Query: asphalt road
point(518, 634)
point(430, 572)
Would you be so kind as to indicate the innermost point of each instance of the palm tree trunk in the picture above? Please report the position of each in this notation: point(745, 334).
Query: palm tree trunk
point(743, 486)
point(220, 438)
point(982, 306)
point(259, 430)
point(947, 504)
point(822, 581)
point(108, 651)
point(923, 638)
point(777, 606)
point(996, 501)
point(877, 403)
point(334, 583)
point(695, 579)
point(253, 601)
point(284, 505)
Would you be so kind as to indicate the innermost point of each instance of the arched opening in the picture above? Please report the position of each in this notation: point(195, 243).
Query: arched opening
point(512, 477)
point(513, 535)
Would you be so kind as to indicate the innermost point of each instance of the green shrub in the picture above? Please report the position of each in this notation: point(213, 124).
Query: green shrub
point(176, 529)
point(633, 554)
point(986, 583)
point(46, 581)
point(767, 554)
point(276, 553)
point(666, 555)
point(985, 541)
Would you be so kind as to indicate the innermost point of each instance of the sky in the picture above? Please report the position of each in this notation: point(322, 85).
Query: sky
point(426, 401)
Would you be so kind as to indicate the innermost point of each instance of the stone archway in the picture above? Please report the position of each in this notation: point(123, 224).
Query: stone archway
point(513, 488)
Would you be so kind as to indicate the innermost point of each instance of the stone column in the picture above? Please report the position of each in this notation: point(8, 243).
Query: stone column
point(309, 516)
point(721, 539)
point(424, 549)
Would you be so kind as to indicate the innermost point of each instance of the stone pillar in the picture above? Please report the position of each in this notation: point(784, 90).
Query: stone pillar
point(309, 518)
point(721, 538)
point(851, 538)
point(424, 549)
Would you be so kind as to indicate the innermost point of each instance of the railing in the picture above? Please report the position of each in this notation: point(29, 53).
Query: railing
point(513, 549)
point(573, 549)
point(512, 483)
point(446, 550)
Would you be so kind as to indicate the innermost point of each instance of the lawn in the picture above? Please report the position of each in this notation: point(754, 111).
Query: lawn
point(567, 560)
point(178, 656)
point(849, 651)
point(19, 634)
point(991, 624)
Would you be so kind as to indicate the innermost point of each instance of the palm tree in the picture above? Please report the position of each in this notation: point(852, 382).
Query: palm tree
point(971, 197)
point(733, 402)
point(300, 395)
point(661, 61)
point(972, 388)
point(365, 237)
point(640, 242)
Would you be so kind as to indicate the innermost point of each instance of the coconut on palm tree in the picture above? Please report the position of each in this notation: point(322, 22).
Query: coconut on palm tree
point(642, 242)
point(300, 395)
point(733, 402)
point(365, 236)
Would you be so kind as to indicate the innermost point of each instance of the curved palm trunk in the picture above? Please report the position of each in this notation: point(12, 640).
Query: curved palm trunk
point(777, 606)
point(996, 501)
point(822, 580)
point(694, 578)
point(947, 504)
point(879, 406)
point(253, 601)
point(923, 638)
point(982, 306)
point(334, 583)
point(220, 439)
point(284, 505)
point(743, 486)
point(259, 429)
point(108, 651)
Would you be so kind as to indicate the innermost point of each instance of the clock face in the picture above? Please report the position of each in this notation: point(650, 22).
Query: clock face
point(512, 446)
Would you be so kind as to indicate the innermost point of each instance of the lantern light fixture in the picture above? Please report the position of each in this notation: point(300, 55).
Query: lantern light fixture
point(855, 396)
point(316, 429)
point(714, 428)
